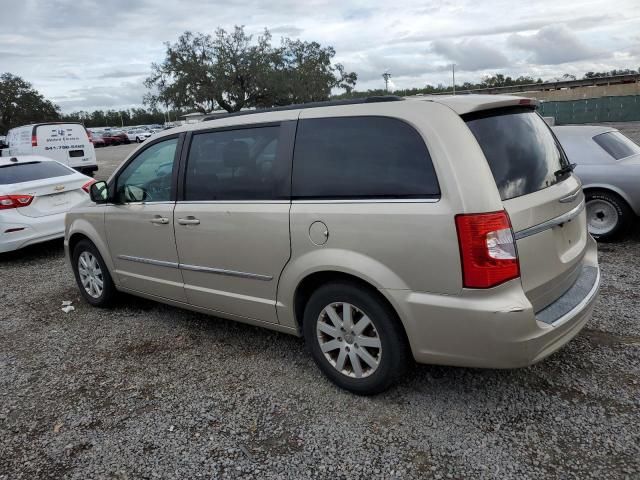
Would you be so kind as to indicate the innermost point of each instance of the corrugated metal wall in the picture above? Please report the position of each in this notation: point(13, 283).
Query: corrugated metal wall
point(594, 110)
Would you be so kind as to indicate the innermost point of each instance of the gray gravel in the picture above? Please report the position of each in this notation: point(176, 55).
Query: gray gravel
point(149, 391)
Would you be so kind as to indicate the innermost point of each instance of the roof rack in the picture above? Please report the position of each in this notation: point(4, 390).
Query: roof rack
point(300, 106)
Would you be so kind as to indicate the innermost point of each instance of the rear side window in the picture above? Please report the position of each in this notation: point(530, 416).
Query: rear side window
point(361, 157)
point(617, 145)
point(241, 164)
point(521, 150)
point(30, 171)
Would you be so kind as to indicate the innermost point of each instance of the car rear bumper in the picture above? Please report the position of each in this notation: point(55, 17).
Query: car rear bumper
point(492, 329)
point(18, 231)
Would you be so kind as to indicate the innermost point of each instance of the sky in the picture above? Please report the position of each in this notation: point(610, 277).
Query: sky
point(89, 54)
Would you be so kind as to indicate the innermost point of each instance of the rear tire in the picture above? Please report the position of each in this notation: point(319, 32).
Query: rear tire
point(365, 350)
point(92, 275)
point(608, 215)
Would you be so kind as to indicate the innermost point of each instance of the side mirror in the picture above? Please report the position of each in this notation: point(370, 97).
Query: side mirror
point(99, 192)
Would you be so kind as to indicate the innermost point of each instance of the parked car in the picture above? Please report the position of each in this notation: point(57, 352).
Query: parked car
point(35, 194)
point(447, 229)
point(121, 135)
point(608, 163)
point(138, 135)
point(110, 139)
point(96, 139)
point(3, 141)
point(67, 143)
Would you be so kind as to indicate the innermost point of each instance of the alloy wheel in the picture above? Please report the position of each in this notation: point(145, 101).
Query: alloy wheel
point(90, 274)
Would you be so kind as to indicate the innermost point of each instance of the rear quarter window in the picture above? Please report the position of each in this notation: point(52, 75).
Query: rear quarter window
point(361, 158)
point(521, 151)
point(30, 171)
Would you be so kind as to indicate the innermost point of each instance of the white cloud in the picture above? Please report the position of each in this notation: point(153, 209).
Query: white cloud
point(554, 45)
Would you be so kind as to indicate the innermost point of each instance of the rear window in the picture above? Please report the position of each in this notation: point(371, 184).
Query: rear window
point(29, 171)
point(617, 145)
point(361, 157)
point(521, 151)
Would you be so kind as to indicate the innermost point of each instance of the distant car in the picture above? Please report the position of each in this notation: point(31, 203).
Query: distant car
point(122, 135)
point(96, 139)
point(35, 194)
point(3, 141)
point(111, 139)
point(608, 163)
point(138, 135)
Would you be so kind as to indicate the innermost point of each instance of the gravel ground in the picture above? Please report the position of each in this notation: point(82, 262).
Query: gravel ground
point(149, 391)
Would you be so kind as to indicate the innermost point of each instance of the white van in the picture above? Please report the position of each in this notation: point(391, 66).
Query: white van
point(68, 143)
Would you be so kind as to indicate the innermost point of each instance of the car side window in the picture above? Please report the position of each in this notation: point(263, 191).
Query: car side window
point(238, 164)
point(148, 177)
point(361, 158)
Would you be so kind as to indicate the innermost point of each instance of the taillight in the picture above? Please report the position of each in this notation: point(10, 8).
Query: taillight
point(14, 201)
point(487, 249)
point(87, 185)
point(34, 141)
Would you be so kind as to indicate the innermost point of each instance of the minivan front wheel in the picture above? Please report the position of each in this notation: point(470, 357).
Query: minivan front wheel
point(607, 215)
point(92, 276)
point(355, 338)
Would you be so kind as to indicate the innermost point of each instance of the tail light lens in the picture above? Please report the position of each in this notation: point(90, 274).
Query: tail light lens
point(14, 201)
point(87, 185)
point(34, 141)
point(487, 249)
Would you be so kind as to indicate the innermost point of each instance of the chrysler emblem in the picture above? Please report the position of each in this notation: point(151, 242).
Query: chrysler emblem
point(58, 188)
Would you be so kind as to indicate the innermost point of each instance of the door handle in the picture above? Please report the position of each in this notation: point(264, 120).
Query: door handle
point(159, 220)
point(189, 221)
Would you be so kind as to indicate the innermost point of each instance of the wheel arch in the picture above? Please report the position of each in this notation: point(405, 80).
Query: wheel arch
point(596, 187)
point(82, 229)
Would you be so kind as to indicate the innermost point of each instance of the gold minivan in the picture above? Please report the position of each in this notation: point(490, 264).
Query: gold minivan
point(448, 230)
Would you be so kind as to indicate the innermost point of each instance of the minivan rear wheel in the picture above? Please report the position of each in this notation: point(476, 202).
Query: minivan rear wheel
point(608, 215)
point(355, 338)
point(92, 276)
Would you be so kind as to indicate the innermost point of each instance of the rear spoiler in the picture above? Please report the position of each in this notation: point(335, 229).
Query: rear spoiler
point(463, 104)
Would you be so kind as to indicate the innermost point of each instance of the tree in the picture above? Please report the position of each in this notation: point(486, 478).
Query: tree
point(231, 72)
point(21, 104)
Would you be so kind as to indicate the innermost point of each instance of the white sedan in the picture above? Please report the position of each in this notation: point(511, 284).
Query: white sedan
point(35, 194)
point(138, 135)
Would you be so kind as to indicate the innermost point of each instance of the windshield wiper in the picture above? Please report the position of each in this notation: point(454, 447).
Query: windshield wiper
point(564, 170)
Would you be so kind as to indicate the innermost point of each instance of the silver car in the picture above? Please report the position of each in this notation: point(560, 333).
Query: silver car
point(445, 230)
point(608, 163)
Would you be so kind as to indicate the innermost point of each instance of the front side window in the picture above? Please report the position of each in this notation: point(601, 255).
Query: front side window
point(238, 164)
point(617, 145)
point(521, 150)
point(148, 177)
point(361, 158)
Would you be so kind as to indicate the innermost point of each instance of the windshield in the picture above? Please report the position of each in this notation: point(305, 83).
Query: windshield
point(27, 172)
point(522, 153)
point(617, 145)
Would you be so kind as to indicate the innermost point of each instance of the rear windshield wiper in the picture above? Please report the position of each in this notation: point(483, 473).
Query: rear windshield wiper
point(565, 170)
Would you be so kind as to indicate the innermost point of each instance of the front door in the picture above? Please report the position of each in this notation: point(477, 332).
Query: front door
point(139, 226)
point(232, 226)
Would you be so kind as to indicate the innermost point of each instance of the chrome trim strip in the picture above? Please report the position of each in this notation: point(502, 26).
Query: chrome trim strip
point(554, 222)
point(196, 268)
point(149, 261)
point(231, 202)
point(221, 271)
point(571, 197)
point(586, 300)
point(372, 200)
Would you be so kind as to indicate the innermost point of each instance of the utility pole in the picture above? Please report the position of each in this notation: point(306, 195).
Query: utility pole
point(386, 76)
point(453, 73)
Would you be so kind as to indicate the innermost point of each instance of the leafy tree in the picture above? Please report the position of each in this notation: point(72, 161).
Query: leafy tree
point(230, 71)
point(21, 104)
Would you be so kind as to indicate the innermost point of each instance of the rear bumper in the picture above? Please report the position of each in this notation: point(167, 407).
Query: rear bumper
point(24, 231)
point(490, 329)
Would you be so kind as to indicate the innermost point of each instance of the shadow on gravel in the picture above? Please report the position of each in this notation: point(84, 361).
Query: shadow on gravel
point(37, 252)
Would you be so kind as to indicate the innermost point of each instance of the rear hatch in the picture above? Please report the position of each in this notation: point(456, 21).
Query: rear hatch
point(54, 188)
point(543, 199)
point(66, 142)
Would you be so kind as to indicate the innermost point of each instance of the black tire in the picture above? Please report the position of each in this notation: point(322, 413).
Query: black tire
point(138, 140)
point(624, 214)
point(108, 289)
point(394, 354)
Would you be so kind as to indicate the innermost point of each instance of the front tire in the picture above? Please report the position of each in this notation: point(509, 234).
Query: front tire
point(138, 140)
point(608, 215)
point(355, 338)
point(92, 275)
